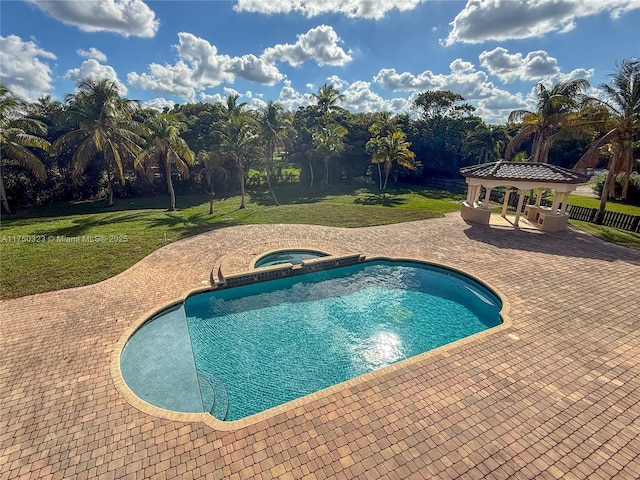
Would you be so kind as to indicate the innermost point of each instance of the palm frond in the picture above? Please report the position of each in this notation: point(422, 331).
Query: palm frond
point(25, 158)
point(522, 136)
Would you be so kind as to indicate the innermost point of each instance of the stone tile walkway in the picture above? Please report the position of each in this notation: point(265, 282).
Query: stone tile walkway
point(556, 395)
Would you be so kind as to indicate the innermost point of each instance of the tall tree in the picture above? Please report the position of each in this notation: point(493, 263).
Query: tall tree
point(328, 143)
point(17, 134)
point(235, 109)
point(622, 127)
point(102, 129)
point(275, 132)
point(393, 149)
point(166, 149)
point(385, 123)
point(239, 140)
point(490, 140)
point(438, 104)
point(439, 137)
point(328, 99)
point(212, 167)
point(555, 115)
point(303, 151)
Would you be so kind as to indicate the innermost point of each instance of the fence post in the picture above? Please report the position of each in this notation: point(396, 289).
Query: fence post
point(592, 216)
point(635, 224)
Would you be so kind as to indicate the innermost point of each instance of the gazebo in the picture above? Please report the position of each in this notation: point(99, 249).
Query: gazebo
point(522, 177)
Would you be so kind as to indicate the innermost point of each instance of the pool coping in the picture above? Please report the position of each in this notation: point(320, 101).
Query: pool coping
point(292, 405)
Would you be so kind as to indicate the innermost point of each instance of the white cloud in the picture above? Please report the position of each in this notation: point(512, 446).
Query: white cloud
point(492, 103)
point(372, 9)
point(92, 53)
point(496, 109)
point(125, 17)
point(333, 80)
point(358, 97)
point(536, 65)
point(206, 98)
point(158, 104)
point(22, 70)
point(291, 99)
point(255, 69)
point(170, 79)
point(482, 20)
point(254, 102)
point(94, 70)
point(463, 79)
point(230, 91)
point(319, 44)
point(200, 66)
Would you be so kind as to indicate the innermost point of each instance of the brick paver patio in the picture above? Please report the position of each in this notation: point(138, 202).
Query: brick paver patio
point(556, 395)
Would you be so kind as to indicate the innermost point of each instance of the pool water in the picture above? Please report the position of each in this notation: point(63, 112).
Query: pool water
point(258, 346)
point(295, 257)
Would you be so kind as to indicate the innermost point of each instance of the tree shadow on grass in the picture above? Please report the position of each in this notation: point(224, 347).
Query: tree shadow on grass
point(380, 200)
point(299, 194)
point(439, 194)
point(89, 207)
point(201, 222)
point(82, 225)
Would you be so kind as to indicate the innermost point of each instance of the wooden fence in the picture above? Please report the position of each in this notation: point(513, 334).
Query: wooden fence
point(622, 221)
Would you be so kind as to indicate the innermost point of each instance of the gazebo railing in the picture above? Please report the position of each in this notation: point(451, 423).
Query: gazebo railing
point(622, 221)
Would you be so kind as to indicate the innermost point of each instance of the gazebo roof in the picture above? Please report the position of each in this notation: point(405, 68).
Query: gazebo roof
point(523, 171)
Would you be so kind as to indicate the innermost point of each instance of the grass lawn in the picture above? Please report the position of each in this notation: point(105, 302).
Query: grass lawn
point(590, 202)
point(72, 245)
point(613, 235)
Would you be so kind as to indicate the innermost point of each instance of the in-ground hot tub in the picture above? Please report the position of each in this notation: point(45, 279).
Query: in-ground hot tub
point(295, 257)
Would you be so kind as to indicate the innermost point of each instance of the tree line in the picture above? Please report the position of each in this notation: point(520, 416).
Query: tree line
point(96, 143)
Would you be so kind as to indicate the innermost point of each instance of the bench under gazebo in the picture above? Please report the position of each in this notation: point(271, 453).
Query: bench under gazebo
point(521, 177)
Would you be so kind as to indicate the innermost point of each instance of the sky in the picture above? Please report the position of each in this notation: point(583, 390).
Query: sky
point(379, 53)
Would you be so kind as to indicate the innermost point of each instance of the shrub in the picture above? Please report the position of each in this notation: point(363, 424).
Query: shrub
point(633, 195)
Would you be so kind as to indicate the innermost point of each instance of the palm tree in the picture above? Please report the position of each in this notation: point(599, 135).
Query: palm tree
point(327, 99)
point(555, 115)
point(212, 167)
point(166, 149)
point(622, 126)
point(327, 142)
point(234, 109)
point(102, 129)
point(17, 135)
point(275, 131)
point(392, 149)
point(240, 141)
point(490, 139)
point(384, 124)
point(373, 147)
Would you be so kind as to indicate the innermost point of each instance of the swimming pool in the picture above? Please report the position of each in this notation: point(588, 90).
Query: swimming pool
point(240, 351)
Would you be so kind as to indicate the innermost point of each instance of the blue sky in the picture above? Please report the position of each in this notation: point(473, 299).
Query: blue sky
point(379, 53)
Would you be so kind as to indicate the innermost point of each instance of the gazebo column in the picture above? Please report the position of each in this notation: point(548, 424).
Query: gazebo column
point(519, 207)
point(476, 194)
point(470, 190)
point(556, 201)
point(539, 197)
point(487, 197)
point(565, 201)
point(472, 210)
point(505, 204)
